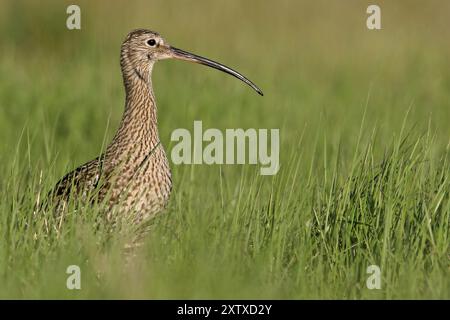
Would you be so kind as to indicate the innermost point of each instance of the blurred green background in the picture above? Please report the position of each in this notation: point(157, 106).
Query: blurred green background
point(318, 65)
point(315, 60)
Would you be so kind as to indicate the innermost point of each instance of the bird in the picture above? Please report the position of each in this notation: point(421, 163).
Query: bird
point(132, 177)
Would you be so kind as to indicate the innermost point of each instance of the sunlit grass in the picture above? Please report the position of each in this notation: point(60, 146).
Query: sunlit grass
point(364, 177)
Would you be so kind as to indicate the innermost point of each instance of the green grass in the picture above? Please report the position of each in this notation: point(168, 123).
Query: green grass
point(365, 141)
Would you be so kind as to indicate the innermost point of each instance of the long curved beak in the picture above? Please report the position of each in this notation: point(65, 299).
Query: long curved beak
point(187, 56)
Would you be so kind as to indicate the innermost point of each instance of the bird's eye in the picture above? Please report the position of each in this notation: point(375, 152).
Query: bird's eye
point(151, 42)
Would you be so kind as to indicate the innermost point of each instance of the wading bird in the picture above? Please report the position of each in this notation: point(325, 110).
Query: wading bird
point(132, 177)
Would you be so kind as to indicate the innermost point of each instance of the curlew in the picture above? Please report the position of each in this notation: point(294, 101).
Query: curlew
point(132, 176)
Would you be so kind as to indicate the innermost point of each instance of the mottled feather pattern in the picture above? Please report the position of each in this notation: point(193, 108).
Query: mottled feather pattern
point(133, 173)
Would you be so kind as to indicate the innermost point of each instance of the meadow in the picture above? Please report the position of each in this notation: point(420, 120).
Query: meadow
point(364, 178)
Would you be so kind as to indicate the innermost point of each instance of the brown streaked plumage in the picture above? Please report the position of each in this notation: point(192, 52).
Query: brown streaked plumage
point(133, 174)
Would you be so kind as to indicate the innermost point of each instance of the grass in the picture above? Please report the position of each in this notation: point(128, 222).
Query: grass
point(364, 178)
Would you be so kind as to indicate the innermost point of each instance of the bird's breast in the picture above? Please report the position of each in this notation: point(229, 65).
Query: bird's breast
point(144, 184)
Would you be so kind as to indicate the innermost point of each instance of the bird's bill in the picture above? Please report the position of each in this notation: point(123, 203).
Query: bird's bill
point(187, 56)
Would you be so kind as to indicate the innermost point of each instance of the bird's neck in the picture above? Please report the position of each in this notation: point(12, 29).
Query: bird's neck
point(138, 131)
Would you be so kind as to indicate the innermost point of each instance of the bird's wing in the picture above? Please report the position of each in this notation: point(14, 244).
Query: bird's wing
point(79, 182)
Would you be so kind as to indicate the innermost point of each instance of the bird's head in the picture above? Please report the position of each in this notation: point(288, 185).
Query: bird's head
point(142, 48)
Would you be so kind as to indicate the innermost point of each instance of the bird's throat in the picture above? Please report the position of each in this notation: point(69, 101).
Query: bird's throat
point(138, 131)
